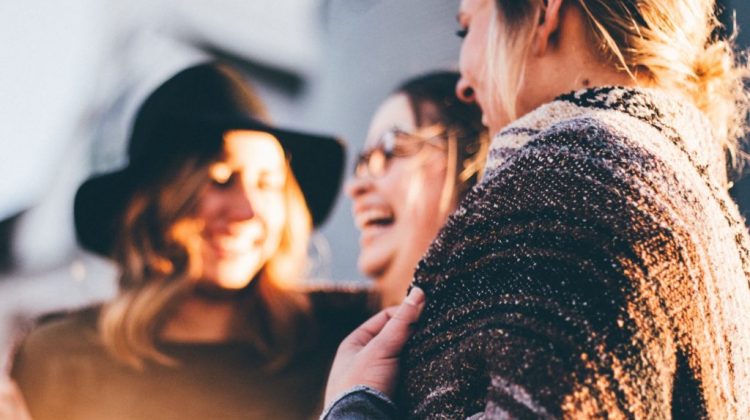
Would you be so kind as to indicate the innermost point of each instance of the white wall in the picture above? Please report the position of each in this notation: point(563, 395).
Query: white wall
point(74, 72)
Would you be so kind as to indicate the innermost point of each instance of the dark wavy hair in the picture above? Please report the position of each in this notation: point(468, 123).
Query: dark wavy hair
point(433, 101)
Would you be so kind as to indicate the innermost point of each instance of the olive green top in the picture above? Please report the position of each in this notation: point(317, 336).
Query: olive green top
point(64, 373)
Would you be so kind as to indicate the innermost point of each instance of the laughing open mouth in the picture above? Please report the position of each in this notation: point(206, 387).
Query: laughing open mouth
point(374, 217)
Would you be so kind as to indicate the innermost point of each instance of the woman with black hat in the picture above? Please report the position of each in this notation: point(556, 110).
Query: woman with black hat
point(209, 223)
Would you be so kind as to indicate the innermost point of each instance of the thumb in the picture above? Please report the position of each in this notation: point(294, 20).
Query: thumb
point(397, 330)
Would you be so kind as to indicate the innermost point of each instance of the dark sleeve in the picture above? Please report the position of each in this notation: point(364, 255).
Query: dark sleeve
point(340, 310)
point(546, 290)
point(361, 403)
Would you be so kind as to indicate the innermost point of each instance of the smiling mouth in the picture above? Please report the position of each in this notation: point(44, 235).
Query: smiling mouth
point(232, 248)
point(374, 218)
point(228, 252)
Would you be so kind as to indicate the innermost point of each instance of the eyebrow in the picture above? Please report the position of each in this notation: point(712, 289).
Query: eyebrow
point(272, 171)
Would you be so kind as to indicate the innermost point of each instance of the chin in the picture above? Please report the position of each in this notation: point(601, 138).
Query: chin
point(373, 269)
point(231, 277)
point(233, 284)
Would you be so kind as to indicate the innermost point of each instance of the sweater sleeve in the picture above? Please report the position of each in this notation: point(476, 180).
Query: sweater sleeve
point(361, 402)
point(549, 291)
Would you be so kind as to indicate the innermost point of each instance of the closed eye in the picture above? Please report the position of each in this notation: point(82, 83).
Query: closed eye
point(221, 175)
point(224, 182)
point(271, 181)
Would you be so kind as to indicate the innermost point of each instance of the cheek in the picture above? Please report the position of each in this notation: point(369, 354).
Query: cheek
point(399, 185)
point(274, 214)
point(433, 193)
point(468, 62)
point(475, 51)
point(208, 206)
point(422, 192)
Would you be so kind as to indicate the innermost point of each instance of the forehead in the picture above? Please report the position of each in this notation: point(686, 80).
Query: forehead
point(252, 149)
point(394, 112)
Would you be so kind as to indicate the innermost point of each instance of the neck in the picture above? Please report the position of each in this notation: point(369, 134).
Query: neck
point(200, 319)
point(395, 281)
point(569, 63)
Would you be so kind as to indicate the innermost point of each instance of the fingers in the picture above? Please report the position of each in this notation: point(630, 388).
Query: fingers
point(397, 330)
point(370, 328)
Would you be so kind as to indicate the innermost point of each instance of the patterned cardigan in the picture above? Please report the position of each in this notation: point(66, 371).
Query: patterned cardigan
point(599, 269)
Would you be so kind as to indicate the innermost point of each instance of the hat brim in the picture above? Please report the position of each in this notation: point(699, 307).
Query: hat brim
point(317, 162)
point(98, 208)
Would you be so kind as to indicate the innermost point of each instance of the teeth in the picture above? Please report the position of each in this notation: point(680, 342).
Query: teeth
point(234, 244)
point(231, 246)
point(369, 216)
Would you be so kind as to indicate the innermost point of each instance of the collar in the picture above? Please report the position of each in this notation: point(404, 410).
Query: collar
point(677, 119)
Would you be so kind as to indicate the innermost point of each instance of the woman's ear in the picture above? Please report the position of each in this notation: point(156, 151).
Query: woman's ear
point(549, 24)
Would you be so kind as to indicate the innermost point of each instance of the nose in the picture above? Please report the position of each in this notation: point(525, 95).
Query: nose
point(358, 185)
point(464, 91)
point(241, 206)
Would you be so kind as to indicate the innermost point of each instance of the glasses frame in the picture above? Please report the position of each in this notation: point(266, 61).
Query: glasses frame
point(374, 161)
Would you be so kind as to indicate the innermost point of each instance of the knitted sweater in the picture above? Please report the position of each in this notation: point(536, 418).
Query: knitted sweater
point(600, 268)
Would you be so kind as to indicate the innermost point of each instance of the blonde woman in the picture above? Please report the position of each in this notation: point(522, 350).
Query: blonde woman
point(600, 268)
point(209, 223)
point(425, 150)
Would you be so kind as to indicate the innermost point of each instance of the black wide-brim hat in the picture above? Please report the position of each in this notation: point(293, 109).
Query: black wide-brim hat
point(187, 116)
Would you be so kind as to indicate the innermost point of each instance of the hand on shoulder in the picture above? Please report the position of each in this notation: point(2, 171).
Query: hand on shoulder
point(369, 356)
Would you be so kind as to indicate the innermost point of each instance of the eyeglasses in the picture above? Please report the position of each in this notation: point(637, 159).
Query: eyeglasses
point(393, 143)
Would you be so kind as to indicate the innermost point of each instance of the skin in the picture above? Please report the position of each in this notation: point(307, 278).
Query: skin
point(370, 354)
point(243, 214)
point(12, 404)
point(560, 41)
point(243, 210)
point(474, 17)
point(407, 195)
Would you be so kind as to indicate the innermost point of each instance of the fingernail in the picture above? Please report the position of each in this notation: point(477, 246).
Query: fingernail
point(415, 296)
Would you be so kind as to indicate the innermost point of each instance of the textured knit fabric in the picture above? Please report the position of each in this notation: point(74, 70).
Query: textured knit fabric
point(599, 269)
point(64, 373)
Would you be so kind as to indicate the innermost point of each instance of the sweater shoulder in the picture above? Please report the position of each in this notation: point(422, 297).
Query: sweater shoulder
point(60, 334)
point(584, 145)
point(583, 137)
point(582, 134)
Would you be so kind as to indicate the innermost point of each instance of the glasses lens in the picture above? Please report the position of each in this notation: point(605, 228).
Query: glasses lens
point(361, 168)
point(393, 143)
point(372, 162)
point(377, 162)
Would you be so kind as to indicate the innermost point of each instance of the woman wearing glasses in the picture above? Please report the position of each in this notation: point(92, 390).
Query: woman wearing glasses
point(424, 151)
point(600, 268)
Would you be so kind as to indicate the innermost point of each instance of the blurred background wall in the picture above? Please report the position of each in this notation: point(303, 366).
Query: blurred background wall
point(73, 72)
